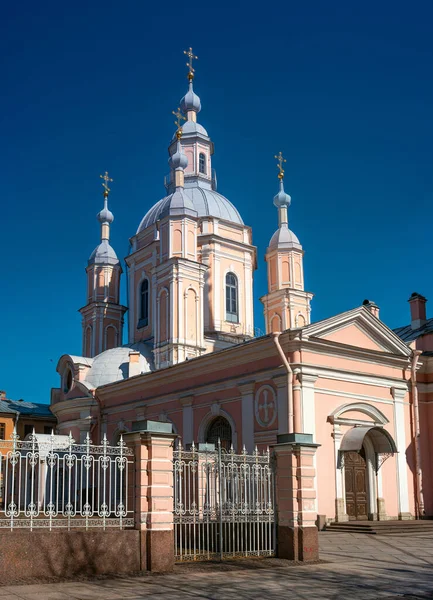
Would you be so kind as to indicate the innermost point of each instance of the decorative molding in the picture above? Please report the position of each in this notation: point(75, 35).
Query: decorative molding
point(265, 412)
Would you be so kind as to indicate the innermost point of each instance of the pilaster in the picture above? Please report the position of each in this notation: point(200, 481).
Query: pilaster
point(153, 476)
point(295, 497)
point(247, 394)
point(340, 495)
point(399, 395)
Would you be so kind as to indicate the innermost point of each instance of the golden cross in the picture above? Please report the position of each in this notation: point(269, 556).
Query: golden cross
point(105, 184)
point(191, 57)
point(179, 118)
point(280, 160)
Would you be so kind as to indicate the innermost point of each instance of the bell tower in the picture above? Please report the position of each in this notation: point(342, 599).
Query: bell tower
point(103, 314)
point(287, 304)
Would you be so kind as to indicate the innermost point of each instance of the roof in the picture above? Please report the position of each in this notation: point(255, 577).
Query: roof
point(27, 409)
point(112, 365)
point(205, 201)
point(407, 334)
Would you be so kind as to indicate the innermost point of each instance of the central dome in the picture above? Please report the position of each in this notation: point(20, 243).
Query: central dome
point(206, 202)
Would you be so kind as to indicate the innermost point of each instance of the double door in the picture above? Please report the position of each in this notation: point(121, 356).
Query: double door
point(355, 469)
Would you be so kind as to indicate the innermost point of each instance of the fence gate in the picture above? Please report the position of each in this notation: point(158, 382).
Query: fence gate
point(223, 504)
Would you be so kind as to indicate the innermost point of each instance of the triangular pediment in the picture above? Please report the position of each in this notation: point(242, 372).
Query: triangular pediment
point(358, 328)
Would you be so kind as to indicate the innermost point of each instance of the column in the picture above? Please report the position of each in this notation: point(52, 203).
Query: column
point(282, 412)
point(187, 420)
point(247, 394)
point(308, 404)
point(340, 500)
point(296, 497)
point(153, 451)
point(399, 395)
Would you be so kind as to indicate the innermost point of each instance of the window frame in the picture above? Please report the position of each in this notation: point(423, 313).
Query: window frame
point(202, 160)
point(2, 431)
point(231, 298)
point(143, 320)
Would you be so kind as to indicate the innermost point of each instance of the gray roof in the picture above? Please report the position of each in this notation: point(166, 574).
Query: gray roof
point(103, 254)
point(284, 238)
point(113, 365)
point(206, 202)
point(407, 334)
point(27, 409)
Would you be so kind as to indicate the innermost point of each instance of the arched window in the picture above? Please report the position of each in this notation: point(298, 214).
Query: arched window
point(220, 429)
point(202, 163)
point(144, 303)
point(232, 309)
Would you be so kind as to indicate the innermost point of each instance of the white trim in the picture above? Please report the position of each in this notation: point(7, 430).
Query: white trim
point(351, 377)
point(367, 409)
point(400, 439)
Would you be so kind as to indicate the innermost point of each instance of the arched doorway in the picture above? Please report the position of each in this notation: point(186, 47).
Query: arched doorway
point(363, 449)
point(219, 429)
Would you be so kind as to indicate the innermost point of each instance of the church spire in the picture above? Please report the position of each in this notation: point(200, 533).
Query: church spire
point(282, 200)
point(105, 216)
point(178, 161)
point(190, 103)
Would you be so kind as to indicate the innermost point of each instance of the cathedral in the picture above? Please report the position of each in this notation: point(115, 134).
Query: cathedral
point(348, 384)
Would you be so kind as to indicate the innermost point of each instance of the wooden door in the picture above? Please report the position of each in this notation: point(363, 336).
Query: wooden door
point(355, 470)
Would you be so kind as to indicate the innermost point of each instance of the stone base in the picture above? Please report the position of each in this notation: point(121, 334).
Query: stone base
point(39, 555)
point(340, 515)
point(381, 511)
point(298, 543)
point(160, 551)
point(405, 517)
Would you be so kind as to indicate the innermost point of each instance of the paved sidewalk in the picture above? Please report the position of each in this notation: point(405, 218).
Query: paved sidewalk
point(358, 567)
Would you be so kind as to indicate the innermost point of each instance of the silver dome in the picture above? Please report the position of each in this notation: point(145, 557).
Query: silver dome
point(113, 365)
point(103, 254)
point(206, 202)
point(284, 238)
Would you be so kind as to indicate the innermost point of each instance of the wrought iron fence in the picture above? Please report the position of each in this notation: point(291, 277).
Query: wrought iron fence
point(223, 504)
point(50, 481)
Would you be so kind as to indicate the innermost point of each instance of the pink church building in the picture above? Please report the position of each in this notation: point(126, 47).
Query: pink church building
point(359, 390)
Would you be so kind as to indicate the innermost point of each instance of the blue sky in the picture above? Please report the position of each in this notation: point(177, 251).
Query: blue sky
point(344, 89)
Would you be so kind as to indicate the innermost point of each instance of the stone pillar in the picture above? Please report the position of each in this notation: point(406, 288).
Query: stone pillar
point(340, 501)
point(296, 497)
point(187, 420)
point(247, 392)
point(153, 450)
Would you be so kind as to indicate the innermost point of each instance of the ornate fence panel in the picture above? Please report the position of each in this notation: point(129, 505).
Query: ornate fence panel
point(223, 504)
point(50, 481)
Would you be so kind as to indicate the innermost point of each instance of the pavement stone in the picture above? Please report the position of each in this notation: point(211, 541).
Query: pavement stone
point(355, 566)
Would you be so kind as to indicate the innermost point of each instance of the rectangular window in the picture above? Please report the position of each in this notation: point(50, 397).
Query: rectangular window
point(28, 429)
point(2, 431)
point(48, 429)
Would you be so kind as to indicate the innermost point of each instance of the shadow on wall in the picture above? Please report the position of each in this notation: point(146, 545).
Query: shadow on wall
point(67, 554)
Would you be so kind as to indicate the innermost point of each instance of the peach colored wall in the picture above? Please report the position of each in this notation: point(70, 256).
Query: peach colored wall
point(353, 336)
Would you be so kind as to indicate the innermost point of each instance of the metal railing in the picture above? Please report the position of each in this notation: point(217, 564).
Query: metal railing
point(223, 504)
point(49, 481)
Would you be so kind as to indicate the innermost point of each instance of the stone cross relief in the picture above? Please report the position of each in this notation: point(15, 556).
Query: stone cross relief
point(266, 406)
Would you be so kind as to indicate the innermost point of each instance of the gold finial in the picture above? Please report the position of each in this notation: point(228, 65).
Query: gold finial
point(105, 184)
point(280, 160)
point(179, 118)
point(191, 57)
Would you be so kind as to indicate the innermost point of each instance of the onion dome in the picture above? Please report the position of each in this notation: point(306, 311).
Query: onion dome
point(190, 101)
point(105, 215)
point(282, 199)
point(178, 160)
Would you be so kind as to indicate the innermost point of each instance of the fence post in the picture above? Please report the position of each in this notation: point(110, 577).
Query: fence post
point(296, 497)
point(153, 485)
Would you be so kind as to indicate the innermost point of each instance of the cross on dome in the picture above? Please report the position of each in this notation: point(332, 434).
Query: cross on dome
point(179, 118)
point(191, 57)
point(280, 158)
point(106, 179)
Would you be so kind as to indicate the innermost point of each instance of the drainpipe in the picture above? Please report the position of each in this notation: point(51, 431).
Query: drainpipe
point(275, 337)
point(419, 493)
